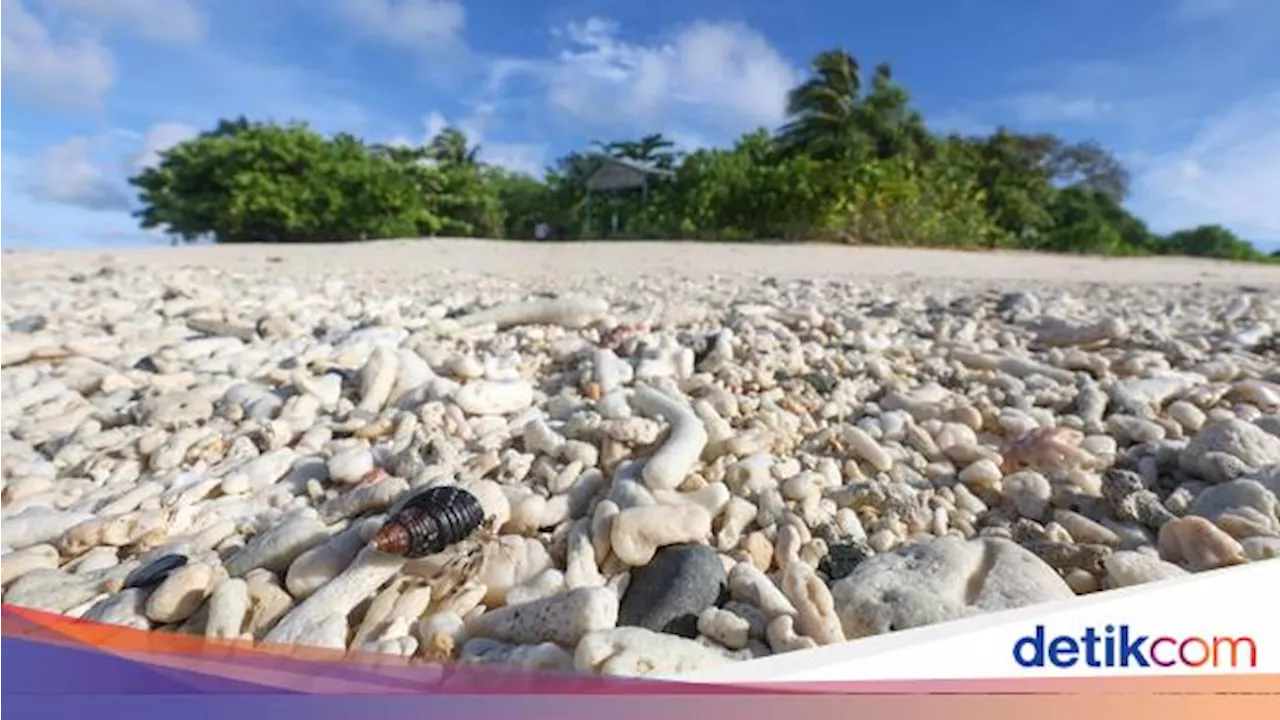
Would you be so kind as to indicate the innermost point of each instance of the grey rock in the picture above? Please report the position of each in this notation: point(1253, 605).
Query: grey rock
point(1130, 535)
point(1130, 567)
point(176, 409)
point(1130, 500)
point(1270, 423)
point(1269, 477)
point(1229, 449)
point(943, 579)
point(28, 324)
point(127, 609)
point(668, 594)
point(1017, 306)
point(1234, 496)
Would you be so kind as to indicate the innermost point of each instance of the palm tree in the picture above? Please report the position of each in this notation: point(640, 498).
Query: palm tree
point(823, 108)
point(653, 150)
point(449, 147)
point(832, 118)
point(886, 119)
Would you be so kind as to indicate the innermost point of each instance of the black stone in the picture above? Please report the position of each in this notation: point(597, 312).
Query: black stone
point(154, 572)
point(702, 345)
point(842, 558)
point(669, 593)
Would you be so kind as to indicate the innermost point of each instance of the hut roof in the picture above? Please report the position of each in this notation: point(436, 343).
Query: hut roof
point(622, 174)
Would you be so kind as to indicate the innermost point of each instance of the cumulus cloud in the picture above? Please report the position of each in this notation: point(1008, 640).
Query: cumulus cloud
point(705, 79)
point(528, 158)
point(59, 60)
point(157, 139)
point(1227, 174)
point(90, 172)
point(67, 174)
point(158, 20)
point(72, 74)
point(721, 73)
point(434, 123)
point(412, 23)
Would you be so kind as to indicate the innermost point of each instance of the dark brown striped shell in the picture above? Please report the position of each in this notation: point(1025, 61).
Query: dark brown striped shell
point(430, 522)
point(154, 572)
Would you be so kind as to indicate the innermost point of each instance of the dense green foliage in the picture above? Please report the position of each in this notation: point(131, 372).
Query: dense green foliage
point(853, 164)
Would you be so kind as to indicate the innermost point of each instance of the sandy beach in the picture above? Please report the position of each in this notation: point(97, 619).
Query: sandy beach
point(401, 258)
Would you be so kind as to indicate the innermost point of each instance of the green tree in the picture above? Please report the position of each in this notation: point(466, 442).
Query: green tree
point(1088, 165)
point(1210, 241)
point(885, 118)
point(1085, 164)
point(525, 202)
point(1016, 187)
point(1090, 221)
point(823, 109)
point(246, 182)
point(832, 120)
point(467, 204)
point(854, 162)
point(451, 147)
point(566, 182)
point(654, 150)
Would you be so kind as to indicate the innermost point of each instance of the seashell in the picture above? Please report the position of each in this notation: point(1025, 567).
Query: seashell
point(430, 522)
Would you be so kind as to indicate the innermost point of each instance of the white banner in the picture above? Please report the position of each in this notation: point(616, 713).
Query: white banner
point(1221, 622)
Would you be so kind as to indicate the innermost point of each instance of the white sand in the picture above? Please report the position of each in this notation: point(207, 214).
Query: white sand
point(516, 260)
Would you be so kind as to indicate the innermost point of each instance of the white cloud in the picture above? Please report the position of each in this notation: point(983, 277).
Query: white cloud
point(90, 172)
point(67, 174)
point(519, 157)
point(473, 125)
point(1228, 174)
point(72, 69)
point(724, 74)
point(70, 75)
point(159, 20)
point(434, 123)
point(686, 141)
point(421, 24)
point(1051, 107)
point(157, 139)
point(528, 158)
point(706, 79)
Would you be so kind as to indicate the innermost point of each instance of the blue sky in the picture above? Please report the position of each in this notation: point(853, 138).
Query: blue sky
point(1186, 92)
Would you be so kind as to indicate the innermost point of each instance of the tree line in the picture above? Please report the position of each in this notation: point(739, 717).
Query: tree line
point(854, 163)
